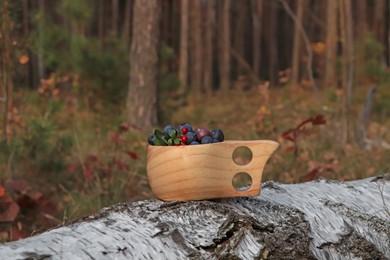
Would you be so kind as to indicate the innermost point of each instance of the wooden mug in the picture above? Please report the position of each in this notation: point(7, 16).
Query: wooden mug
point(205, 171)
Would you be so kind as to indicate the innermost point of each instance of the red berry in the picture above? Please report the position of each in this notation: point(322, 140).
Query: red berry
point(183, 139)
point(184, 131)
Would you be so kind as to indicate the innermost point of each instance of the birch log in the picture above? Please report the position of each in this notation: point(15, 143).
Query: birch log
point(313, 220)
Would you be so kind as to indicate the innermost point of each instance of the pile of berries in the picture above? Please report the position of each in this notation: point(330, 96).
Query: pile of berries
point(185, 135)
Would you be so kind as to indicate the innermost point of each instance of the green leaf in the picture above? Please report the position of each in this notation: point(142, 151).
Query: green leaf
point(159, 142)
point(159, 138)
point(169, 141)
point(157, 133)
point(173, 134)
point(176, 141)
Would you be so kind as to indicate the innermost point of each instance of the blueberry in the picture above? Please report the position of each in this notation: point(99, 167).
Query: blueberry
point(151, 139)
point(185, 125)
point(167, 130)
point(217, 134)
point(207, 140)
point(215, 140)
point(194, 143)
point(191, 137)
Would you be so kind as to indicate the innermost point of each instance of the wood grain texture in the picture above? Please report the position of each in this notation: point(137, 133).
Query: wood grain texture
point(313, 220)
point(204, 171)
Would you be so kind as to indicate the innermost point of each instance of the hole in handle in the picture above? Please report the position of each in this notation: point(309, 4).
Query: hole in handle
point(242, 155)
point(242, 181)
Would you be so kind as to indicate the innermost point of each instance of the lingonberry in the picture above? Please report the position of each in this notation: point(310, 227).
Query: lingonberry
point(183, 139)
point(184, 130)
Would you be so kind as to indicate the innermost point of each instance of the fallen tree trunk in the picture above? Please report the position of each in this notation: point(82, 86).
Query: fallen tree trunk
point(320, 219)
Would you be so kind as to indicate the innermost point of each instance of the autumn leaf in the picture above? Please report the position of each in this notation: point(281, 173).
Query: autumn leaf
point(124, 127)
point(121, 165)
point(290, 149)
point(2, 191)
point(23, 59)
point(17, 232)
point(19, 186)
point(72, 168)
point(88, 174)
point(9, 209)
point(132, 154)
point(319, 120)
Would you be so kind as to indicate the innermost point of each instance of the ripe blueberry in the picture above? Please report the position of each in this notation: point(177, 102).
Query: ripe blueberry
point(217, 134)
point(151, 139)
point(207, 140)
point(191, 137)
point(167, 130)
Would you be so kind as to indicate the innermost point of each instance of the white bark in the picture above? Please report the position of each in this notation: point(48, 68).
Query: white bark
point(319, 219)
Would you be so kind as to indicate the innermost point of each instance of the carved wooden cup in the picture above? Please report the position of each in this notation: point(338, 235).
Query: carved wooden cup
point(206, 171)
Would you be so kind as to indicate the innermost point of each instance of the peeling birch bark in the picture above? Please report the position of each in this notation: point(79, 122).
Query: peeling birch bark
point(313, 220)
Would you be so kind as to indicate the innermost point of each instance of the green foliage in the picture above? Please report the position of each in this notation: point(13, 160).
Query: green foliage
point(80, 11)
point(101, 65)
point(45, 147)
point(369, 52)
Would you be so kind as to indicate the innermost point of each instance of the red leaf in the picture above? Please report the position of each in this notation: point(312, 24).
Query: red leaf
point(34, 195)
point(88, 174)
point(9, 209)
point(124, 127)
point(121, 165)
point(311, 175)
point(132, 154)
point(91, 158)
point(25, 202)
point(116, 138)
point(17, 233)
point(72, 168)
point(319, 120)
point(290, 149)
point(46, 206)
point(18, 186)
point(2, 191)
point(289, 135)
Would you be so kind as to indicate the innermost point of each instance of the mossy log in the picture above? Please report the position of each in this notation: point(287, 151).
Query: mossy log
point(313, 220)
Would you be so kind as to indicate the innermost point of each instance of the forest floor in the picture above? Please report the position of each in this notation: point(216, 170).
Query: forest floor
point(71, 156)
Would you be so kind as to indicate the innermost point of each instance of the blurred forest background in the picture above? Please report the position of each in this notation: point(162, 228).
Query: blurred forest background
point(83, 83)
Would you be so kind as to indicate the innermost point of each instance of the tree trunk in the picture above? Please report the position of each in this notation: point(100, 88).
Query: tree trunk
point(361, 18)
point(344, 78)
point(183, 65)
point(257, 15)
point(196, 50)
point(127, 21)
point(331, 44)
point(313, 220)
point(209, 25)
point(142, 95)
point(114, 17)
point(297, 43)
point(41, 65)
point(379, 24)
point(239, 26)
point(6, 96)
point(272, 42)
point(101, 22)
point(224, 46)
point(349, 49)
